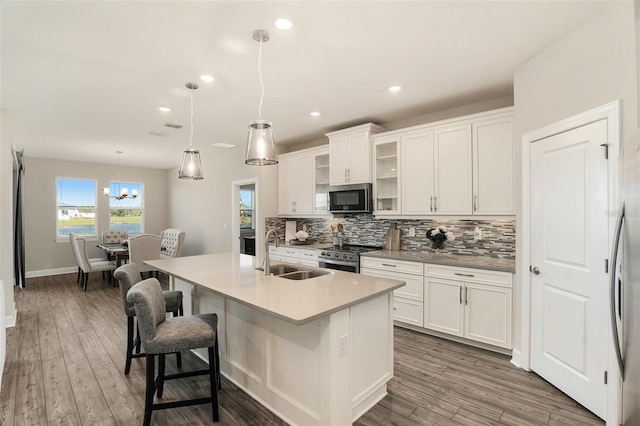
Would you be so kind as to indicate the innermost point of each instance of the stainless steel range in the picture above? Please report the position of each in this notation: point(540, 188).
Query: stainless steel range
point(345, 258)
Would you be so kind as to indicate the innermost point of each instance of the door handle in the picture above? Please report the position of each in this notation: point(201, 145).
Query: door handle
point(435, 204)
point(461, 295)
point(466, 295)
point(475, 203)
point(612, 291)
point(534, 269)
point(430, 203)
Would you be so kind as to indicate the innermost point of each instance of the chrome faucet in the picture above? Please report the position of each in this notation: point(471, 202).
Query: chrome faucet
point(267, 267)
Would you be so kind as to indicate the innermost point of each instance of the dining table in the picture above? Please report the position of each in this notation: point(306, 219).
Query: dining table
point(115, 251)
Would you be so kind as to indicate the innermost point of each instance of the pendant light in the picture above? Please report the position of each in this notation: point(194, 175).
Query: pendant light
point(260, 148)
point(191, 167)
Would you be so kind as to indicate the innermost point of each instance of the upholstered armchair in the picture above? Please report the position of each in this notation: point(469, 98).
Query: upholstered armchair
point(114, 236)
point(172, 242)
point(144, 247)
point(79, 246)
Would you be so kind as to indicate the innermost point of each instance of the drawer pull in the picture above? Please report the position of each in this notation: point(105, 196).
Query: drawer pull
point(389, 264)
point(464, 275)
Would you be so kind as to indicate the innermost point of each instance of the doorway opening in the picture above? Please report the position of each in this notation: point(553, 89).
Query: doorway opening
point(244, 222)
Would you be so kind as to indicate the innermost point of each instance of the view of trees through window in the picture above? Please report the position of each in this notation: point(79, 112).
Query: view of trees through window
point(246, 208)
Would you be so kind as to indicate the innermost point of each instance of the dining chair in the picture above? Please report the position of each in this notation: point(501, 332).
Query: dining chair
point(172, 242)
point(161, 335)
point(128, 275)
point(144, 247)
point(114, 236)
point(90, 265)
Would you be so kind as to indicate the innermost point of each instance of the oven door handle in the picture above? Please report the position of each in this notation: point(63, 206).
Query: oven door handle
point(337, 262)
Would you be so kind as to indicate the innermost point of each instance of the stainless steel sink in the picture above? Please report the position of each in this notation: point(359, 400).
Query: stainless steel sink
point(303, 275)
point(293, 273)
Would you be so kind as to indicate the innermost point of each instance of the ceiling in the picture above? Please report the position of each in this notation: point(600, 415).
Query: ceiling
point(83, 79)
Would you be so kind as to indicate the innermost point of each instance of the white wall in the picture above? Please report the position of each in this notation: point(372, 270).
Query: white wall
point(590, 66)
point(43, 253)
point(6, 235)
point(203, 208)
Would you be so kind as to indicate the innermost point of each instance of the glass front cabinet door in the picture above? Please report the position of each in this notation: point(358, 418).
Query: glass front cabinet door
point(386, 172)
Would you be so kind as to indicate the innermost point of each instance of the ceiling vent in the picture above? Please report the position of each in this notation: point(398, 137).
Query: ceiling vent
point(173, 126)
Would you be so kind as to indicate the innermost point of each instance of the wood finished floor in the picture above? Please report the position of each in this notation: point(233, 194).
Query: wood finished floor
point(65, 362)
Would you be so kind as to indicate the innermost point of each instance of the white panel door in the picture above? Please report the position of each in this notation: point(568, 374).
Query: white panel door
point(569, 246)
point(443, 305)
point(453, 183)
point(417, 173)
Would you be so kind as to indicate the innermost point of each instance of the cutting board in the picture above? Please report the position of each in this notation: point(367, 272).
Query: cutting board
point(393, 238)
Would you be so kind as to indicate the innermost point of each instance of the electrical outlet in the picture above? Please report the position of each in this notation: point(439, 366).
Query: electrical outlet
point(412, 232)
point(477, 233)
point(342, 345)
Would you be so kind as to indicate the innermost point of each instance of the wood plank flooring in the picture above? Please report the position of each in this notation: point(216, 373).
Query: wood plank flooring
point(65, 363)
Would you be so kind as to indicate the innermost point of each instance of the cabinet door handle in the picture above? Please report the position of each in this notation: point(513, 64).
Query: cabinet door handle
point(475, 203)
point(461, 295)
point(345, 175)
point(466, 295)
point(464, 275)
point(435, 204)
point(389, 264)
point(430, 203)
point(349, 175)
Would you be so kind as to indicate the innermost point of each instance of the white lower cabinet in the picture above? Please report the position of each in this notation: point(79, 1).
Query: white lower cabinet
point(471, 303)
point(408, 300)
point(293, 255)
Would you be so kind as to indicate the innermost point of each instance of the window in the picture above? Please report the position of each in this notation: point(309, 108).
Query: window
point(127, 213)
point(75, 206)
point(246, 208)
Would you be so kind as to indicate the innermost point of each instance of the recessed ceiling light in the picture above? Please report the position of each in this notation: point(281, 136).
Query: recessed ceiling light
point(314, 114)
point(206, 77)
point(222, 145)
point(164, 109)
point(394, 89)
point(283, 24)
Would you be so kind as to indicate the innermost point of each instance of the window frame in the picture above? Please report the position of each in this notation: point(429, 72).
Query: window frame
point(65, 237)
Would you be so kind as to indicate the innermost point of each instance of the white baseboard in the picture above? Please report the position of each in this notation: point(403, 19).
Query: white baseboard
point(47, 272)
point(516, 358)
point(10, 320)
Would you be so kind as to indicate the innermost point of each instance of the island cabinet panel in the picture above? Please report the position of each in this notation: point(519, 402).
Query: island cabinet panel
point(321, 372)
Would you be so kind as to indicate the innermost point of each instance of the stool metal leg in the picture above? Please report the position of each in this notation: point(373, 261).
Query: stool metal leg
point(212, 382)
point(160, 381)
point(130, 331)
point(150, 390)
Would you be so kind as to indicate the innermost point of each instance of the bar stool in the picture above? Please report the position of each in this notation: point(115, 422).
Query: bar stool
point(161, 336)
point(128, 275)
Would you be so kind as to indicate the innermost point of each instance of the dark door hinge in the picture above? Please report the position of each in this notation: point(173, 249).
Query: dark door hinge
point(606, 266)
point(606, 150)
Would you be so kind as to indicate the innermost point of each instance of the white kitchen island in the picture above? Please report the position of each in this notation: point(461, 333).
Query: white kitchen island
point(315, 352)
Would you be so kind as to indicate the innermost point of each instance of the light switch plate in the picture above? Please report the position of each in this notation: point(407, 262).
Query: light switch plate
point(412, 232)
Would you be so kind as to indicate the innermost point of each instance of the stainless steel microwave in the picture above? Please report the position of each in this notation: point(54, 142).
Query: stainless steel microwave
point(354, 198)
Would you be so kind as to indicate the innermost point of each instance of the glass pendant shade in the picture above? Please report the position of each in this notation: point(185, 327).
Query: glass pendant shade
point(260, 148)
point(191, 167)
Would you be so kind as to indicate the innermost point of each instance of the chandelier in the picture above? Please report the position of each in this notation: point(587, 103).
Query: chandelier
point(122, 192)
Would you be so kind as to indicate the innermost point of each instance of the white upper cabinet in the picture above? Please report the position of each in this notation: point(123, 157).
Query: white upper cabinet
point(417, 161)
point(350, 154)
point(436, 171)
point(295, 183)
point(321, 181)
point(452, 170)
point(493, 164)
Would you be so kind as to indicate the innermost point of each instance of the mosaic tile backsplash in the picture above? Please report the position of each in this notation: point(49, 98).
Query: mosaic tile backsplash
point(498, 237)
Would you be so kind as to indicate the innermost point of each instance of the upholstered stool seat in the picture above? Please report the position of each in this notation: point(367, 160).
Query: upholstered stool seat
point(161, 335)
point(128, 275)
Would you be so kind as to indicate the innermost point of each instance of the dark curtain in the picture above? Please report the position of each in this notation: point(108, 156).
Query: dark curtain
point(18, 226)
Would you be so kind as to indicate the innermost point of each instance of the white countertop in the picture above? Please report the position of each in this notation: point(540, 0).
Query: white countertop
point(234, 276)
